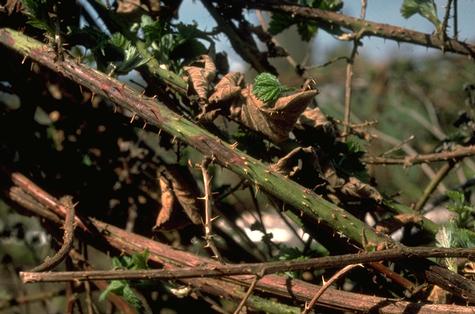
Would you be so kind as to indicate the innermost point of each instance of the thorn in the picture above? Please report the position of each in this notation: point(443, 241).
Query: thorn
point(159, 132)
point(24, 59)
point(214, 218)
point(154, 97)
point(133, 117)
point(202, 198)
point(144, 125)
point(234, 145)
point(80, 89)
point(174, 140)
point(92, 97)
point(115, 108)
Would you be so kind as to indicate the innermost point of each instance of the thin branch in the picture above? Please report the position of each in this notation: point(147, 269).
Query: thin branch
point(249, 52)
point(259, 269)
point(276, 285)
point(265, 28)
point(157, 114)
point(457, 153)
point(349, 77)
point(364, 4)
point(395, 277)
point(348, 90)
point(248, 294)
point(441, 174)
point(209, 209)
point(445, 21)
point(365, 28)
point(456, 26)
point(68, 238)
point(327, 285)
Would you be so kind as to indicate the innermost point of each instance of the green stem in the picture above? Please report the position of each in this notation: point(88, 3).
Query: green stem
point(157, 114)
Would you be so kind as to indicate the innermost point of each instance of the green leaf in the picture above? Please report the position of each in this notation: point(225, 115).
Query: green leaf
point(267, 87)
point(425, 8)
point(131, 58)
point(37, 11)
point(115, 286)
point(131, 298)
point(139, 260)
point(306, 29)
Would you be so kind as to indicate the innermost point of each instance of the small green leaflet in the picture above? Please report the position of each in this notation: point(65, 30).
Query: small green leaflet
point(131, 57)
point(306, 29)
point(122, 287)
point(425, 8)
point(267, 87)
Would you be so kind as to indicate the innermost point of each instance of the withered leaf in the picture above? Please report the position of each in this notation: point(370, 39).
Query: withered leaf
point(167, 199)
point(274, 119)
point(127, 6)
point(313, 117)
point(228, 87)
point(185, 190)
point(13, 6)
point(354, 187)
point(289, 164)
point(201, 75)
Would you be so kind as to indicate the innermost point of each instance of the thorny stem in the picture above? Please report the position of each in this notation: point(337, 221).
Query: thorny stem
point(445, 22)
point(327, 285)
point(456, 26)
point(276, 285)
point(259, 269)
point(443, 171)
point(157, 114)
point(209, 209)
point(363, 27)
point(349, 76)
point(248, 294)
point(68, 238)
point(457, 153)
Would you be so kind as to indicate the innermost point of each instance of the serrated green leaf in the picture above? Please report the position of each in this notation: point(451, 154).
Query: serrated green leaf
point(425, 8)
point(131, 58)
point(280, 22)
point(131, 298)
point(115, 286)
point(267, 87)
point(139, 260)
point(306, 29)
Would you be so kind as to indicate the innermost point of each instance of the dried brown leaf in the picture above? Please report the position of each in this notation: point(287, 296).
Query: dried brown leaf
point(438, 295)
point(201, 75)
point(167, 199)
point(185, 190)
point(408, 218)
point(354, 187)
point(275, 120)
point(13, 6)
point(289, 164)
point(127, 6)
point(228, 87)
point(313, 117)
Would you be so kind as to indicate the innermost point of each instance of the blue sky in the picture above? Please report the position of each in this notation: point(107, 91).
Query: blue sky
point(384, 11)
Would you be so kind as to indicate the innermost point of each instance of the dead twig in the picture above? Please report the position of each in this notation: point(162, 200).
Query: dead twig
point(457, 153)
point(248, 294)
point(326, 285)
point(68, 238)
point(208, 199)
point(260, 269)
point(441, 174)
